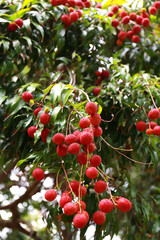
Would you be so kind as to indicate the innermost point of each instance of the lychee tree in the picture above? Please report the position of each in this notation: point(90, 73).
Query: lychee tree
point(79, 97)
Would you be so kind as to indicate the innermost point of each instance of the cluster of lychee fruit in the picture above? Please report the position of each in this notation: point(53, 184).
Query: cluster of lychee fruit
point(82, 144)
point(152, 127)
point(73, 15)
point(153, 10)
point(13, 26)
point(72, 204)
point(72, 3)
point(132, 23)
point(101, 75)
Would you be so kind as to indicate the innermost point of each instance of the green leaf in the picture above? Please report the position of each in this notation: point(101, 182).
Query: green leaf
point(113, 2)
point(65, 95)
point(3, 20)
point(37, 135)
point(99, 109)
point(64, 59)
point(56, 92)
point(5, 44)
point(39, 27)
point(27, 2)
point(29, 42)
point(17, 46)
point(33, 86)
point(19, 14)
point(47, 90)
point(2, 95)
point(55, 112)
point(20, 162)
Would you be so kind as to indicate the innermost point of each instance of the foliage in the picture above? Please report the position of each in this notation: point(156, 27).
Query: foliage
point(57, 65)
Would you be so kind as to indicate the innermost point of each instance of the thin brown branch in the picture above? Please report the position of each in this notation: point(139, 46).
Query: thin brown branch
point(4, 174)
point(124, 154)
point(31, 190)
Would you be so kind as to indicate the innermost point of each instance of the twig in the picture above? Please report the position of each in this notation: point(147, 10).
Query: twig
point(124, 154)
point(151, 97)
point(109, 120)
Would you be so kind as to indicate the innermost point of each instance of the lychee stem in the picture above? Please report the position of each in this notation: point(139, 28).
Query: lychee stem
point(57, 179)
point(67, 178)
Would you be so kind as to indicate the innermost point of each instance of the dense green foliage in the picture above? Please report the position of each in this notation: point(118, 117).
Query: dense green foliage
point(57, 64)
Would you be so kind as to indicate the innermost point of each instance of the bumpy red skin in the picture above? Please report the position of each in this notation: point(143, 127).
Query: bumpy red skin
point(87, 4)
point(115, 23)
point(80, 220)
point(100, 186)
point(45, 118)
point(62, 150)
point(98, 73)
point(84, 122)
point(125, 20)
point(145, 22)
point(70, 208)
point(50, 195)
point(74, 148)
point(19, 22)
point(106, 205)
point(26, 96)
point(114, 8)
point(135, 38)
point(36, 111)
point(122, 36)
point(70, 138)
point(157, 4)
point(85, 214)
point(67, 193)
point(149, 131)
point(95, 119)
point(38, 174)
point(12, 27)
point(141, 126)
point(110, 14)
point(152, 10)
point(123, 204)
point(123, 14)
point(136, 28)
point(133, 16)
point(154, 114)
point(86, 138)
point(91, 172)
point(95, 160)
point(31, 131)
point(58, 138)
point(156, 130)
point(65, 19)
point(79, 12)
point(82, 158)
point(130, 34)
point(105, 74)
point(99, 217)
point(152, 124)
point(91, 108)
point(139, 19)
point(96, 91)
point(81, 204)
point(89, 148)
point(63, 200)
point(74, 16)
point(74, 185)
point(44, 134)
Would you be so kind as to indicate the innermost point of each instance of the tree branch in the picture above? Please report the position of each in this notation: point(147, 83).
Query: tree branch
point(31, 190)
